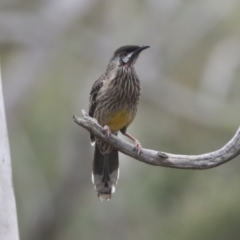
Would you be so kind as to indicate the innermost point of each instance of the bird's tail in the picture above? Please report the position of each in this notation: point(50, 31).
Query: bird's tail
point(105, 173)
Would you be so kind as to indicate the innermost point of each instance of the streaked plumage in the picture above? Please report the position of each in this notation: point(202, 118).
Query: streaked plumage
point(113, 102)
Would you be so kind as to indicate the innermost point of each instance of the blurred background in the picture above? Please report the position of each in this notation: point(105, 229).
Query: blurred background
point(51, 53)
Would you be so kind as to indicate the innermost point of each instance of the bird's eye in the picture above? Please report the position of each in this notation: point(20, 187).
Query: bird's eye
point(124, 54)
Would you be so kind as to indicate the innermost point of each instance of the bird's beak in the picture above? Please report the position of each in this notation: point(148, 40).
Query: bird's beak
point(142, 48)
point(135, 54)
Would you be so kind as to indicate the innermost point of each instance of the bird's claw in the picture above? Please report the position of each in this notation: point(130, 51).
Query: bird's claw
point(107, 130)
point(138, 146)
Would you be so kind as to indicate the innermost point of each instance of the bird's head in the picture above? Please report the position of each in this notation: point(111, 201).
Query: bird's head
point(126, 56)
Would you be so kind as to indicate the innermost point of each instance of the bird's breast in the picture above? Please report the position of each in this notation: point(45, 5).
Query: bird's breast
point(119, 120)
point(117, 101)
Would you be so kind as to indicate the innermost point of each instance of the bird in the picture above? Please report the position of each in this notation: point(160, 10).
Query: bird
point(113, 102)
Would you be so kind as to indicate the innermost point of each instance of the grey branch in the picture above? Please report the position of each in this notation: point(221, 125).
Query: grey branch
point(157, 158)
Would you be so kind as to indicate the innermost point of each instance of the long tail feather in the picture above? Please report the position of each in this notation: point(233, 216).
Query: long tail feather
point(105, 173)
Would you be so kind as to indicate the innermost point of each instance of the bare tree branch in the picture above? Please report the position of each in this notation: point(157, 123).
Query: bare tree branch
point(157, 158)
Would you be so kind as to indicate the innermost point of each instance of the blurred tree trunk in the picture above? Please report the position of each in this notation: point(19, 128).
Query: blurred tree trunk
point(8, 214)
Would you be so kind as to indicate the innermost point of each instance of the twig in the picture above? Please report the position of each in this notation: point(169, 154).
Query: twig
point(157, 158)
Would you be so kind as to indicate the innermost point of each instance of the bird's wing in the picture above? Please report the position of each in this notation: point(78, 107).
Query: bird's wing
point(93, 94)
point(92, 100)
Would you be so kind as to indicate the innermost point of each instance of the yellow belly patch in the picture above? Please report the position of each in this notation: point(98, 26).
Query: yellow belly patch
point(119, 120)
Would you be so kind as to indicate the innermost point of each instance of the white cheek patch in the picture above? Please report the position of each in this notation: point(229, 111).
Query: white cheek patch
point(126, 58)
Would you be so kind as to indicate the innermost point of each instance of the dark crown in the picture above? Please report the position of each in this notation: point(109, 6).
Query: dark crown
point(128, 49)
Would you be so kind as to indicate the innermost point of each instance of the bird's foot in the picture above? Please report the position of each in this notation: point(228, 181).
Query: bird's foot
point(107, 130)
point(138, 146)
